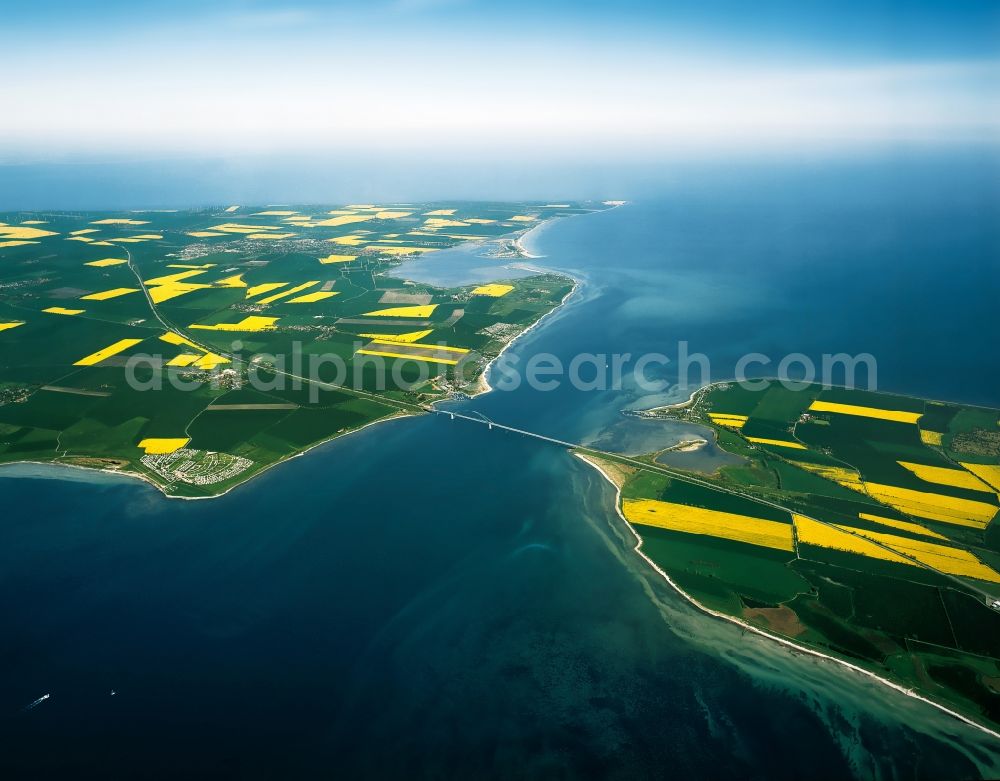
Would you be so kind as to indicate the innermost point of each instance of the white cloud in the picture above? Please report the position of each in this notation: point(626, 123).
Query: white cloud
point(418, 92)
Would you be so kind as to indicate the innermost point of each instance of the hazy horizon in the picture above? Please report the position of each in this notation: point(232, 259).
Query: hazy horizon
point(185, 104)
point(178, 183)
point(478, 81)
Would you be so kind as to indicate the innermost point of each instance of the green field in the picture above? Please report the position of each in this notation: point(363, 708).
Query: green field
point(895, 561)
point(228, 339)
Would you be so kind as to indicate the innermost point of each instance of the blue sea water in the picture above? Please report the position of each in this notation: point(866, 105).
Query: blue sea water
point(431, 598)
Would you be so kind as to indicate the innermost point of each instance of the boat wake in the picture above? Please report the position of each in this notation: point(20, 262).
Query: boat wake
point(37, 702)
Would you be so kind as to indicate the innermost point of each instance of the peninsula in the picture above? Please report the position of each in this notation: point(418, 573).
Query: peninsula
point(196, 348)
point(858, 525)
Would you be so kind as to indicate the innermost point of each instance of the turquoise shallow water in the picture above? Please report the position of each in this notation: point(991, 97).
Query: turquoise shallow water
point(486, 616)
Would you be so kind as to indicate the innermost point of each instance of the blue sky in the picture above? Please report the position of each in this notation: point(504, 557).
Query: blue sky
point(460, 78)
point(968, 28)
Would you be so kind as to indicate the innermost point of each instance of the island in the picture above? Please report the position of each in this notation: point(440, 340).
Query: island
point(856, 525)
point(196, 348)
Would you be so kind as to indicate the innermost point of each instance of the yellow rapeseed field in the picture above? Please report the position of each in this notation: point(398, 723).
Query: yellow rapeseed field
point(210, 361)
point(838, 474)
point(104, 295)
point(105, 262)
point(205, 234)
point(905, 526)
point(344, 219)
point(411, 336)
point(107, 352)
point(19, 232)
point(776, 442)
point(160, 446)
point(337, 259)
point(184, 359)
point(494, 291)
point(931, 437)
point(954, 561)
point(725, 419)
point(160, 293)
point(266, 287)
point(866, 412)
point(424, 310)
point(311, 298)
point(235, 227)
point(111, 221)
point(171, 278)
point(349, 241)
point(387, 352)
point(58, 310)
point(176, 339)
point(990, 473)
point(810, 532)
point(8, 326)
point(431, 347)
point(713, 523)
point(234, 281)
point(935, 507)
point(290, 292)
point(251, 323)
point(958, 478)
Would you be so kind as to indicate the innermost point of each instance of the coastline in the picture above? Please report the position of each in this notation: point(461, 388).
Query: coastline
point(525, 252)
point(733, 381)
point(483, 386)
point(132, 475)
point(777, 638)
point(685, 403)
point(534, 230)
point(482, 383)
